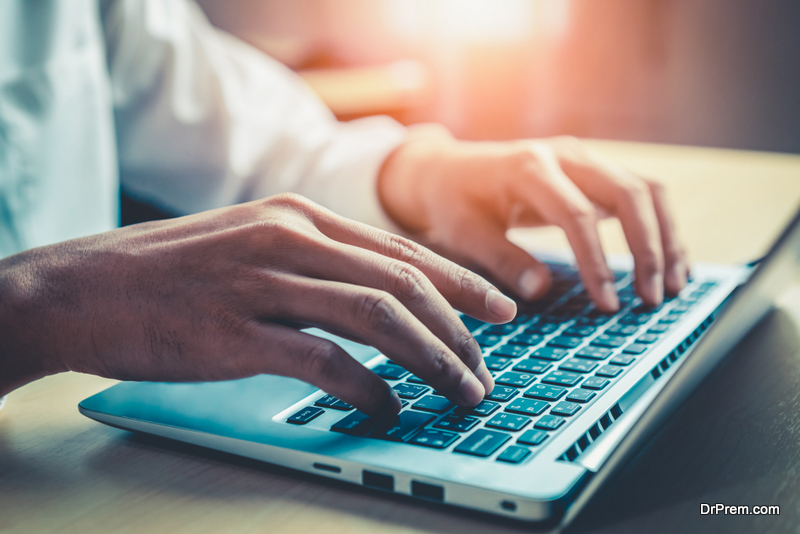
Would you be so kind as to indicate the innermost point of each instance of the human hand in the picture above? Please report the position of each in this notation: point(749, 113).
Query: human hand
point(462, 197)
point(221, 295)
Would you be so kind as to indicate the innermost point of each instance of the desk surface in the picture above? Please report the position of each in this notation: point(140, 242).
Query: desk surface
point(736, 441)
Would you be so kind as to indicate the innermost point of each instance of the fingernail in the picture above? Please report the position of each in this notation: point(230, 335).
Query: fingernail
point(485, 377)
point(500, 305)
point(609, 295)
point(470, 390)
point(530, 284)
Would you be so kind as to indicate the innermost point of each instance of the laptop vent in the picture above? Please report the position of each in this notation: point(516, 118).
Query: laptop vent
point(615, 412)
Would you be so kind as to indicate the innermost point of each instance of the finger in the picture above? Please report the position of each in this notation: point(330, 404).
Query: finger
point(676, 267)
point(380, 320)
point(463, 289)
point(482, 240)
point(287, 352)
point(629, 198)
point(550, 192)
point(360, 267)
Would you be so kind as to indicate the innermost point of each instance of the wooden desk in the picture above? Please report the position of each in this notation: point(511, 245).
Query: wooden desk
point(735, 441)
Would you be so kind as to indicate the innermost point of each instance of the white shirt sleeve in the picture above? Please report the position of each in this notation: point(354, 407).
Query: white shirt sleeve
point(203, 120)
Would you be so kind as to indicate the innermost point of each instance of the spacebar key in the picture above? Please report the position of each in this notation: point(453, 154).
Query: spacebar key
point(404, 426)
point(482, 443)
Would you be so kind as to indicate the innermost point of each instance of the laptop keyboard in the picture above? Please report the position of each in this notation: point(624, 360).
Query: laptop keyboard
point(556, 357)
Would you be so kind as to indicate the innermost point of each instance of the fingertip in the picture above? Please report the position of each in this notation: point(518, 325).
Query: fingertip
point(675, 278)
point(389, 407)
point(534, 282)
point(499, 305)
point(608, 301)
point(470, 390)
point(484, 376)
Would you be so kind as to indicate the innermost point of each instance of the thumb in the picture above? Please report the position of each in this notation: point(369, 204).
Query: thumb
point(483, 241)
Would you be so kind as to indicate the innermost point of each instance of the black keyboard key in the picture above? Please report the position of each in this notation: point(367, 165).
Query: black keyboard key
point(594, 353)
point(501, 329)
point(609, 371)
point(355, 424)
point(609, 341)
point(532, 437)
point(562, 378)
point(549, 422)
point(497, 363)
point(389, 371)
point(658, 328)
point(510, 351)
point(647, 338)
point(410, 391)
point(635, 348)
point(565, 408)
point(542, 392)
point(669, 319)
point(582, 395)
point(577, 365)
point(549, 353)
point(527, 407)
point(595, 382)
point(527, 340)
point(482, 443)
point(513, 454)
point(404, 426)
point(541, 328)
point(471, 323)
point(634, 319)
point(579, 331)
point(457, 423)
point(433, 403)
point(521, 318)
point(414, 379)
point(488, 340)
point(305, 415)
point(565, 342)
point(517, 380)
point(502, 393)
point(594, 317)
point(622, 330)
point(436, 439)
point(507, 421)
point(483, 409)
point(329, 401)
point(622, 359)
point(532, 365)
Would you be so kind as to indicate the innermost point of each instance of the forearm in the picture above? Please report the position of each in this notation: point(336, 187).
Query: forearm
point(24, 327)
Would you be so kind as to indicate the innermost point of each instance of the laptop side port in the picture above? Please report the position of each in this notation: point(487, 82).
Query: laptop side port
point(326, 467)
point(432, 492)
point(377, 480)
point(509, 506)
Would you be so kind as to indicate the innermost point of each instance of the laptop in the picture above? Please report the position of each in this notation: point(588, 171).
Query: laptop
point(578, 393)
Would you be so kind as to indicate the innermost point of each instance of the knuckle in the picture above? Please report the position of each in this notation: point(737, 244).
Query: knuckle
point(650, 263)
point(400, 248)
point(320, 359)
point(467, 348)
point(409, 283)
point(633, 190)
point(378, 311)
point(583, 213)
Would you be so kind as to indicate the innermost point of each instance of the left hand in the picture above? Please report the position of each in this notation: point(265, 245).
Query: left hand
point(461, 197)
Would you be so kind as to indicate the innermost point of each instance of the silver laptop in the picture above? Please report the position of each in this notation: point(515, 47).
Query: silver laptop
point(578, 392)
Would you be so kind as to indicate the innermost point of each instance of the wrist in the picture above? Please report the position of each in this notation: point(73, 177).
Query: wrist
point(24, 327)
point(407, 176)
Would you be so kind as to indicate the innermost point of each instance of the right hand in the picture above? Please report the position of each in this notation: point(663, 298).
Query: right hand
point(222, 295)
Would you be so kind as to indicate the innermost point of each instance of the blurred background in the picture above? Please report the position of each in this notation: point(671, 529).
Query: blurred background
point(722, 73)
